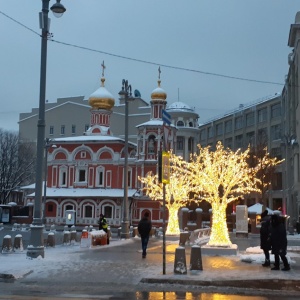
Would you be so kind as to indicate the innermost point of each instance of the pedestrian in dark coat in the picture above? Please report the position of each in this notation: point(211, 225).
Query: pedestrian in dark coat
point(144, 228)
point(265, 241)
point(279, 242)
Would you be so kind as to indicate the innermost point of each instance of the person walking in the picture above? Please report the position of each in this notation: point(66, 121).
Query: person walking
point(265, 242)
point(103, 226)
point(144, 228)
point(279, 242)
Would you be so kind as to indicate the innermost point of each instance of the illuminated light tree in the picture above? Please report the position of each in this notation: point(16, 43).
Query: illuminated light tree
point(176, 191)
point(220, 177)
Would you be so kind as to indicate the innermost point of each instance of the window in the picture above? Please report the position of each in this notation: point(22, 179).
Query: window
point(88, 211)
point(190, 144)
point(228, 126)
point(73, 129)
point(250, 138)
point(203, 135)
point(151, 144)
point(262, 115)
point(228, 143)
point(219, 128)
point(180, 143)
point(275, 110)
point(238, 123)
point(210, 132)
point(129, 182)
point(276, 132)
point(262, 136)
point(83, 154)
point(250, 119)
point(180, 124)
point(108, 211)
point(50, 207)
point(276, 152)
point(191, 124)
point(63, 176)
point(100, 176)
point(69, 207)
point(62, 129)
point(239, 141)
point(51, 131)
point(81, 177)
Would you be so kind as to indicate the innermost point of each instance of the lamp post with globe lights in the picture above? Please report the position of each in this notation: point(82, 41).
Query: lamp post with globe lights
point(36, 244)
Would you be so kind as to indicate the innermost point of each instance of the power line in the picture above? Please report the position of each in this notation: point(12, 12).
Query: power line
point(145, 61)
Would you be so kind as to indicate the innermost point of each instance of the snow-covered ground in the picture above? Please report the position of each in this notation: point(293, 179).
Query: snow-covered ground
point(18, 264)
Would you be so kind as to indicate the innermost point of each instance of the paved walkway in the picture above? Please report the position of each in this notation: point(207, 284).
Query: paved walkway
point(120, 266)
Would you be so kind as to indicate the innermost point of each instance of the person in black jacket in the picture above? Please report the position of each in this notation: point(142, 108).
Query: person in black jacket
point(279, 242)
point(144, 228)
point(265, 242)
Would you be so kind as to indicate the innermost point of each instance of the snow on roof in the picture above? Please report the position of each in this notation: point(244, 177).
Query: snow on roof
point(88, 138)
point(78, 192)
point(179, 106)
point(257, 207)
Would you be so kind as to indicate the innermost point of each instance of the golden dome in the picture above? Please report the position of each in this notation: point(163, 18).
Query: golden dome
point(102, 98)
point(158, 93)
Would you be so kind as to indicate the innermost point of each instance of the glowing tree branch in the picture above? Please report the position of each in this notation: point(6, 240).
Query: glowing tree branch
point(176, 191)
point(220, 177)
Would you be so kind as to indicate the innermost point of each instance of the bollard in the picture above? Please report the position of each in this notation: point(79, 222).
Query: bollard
point(66, 228)
point(51, 239)
point(183, 238)
point(14, 228)
point(131, 231)
point(91, 228)
point(153, 231)
point(108, 234)
point(180, 261)
point(6, 244)
point(85, 241)
point(196, 258)
point(135, 232)
point(52, 228)
point(119, 232)
point(67, 238)
point(23, 228)
point(73, 236)
point(18, 243)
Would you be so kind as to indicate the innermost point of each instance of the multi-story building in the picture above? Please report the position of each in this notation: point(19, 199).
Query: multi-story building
point(71, 117)
point(257, 125)
point(290, 121)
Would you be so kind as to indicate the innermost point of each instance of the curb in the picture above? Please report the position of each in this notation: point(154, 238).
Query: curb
point(266, 284)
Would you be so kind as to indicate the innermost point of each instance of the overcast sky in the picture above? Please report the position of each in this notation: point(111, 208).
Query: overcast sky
point(237, 38)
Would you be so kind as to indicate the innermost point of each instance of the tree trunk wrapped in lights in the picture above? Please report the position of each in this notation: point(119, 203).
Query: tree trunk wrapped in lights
point(177, 191)
point(220, 177)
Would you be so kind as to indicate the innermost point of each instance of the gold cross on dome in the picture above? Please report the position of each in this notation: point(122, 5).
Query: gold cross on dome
point(103, 68)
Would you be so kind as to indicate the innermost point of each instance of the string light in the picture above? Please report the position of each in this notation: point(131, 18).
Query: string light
point(221, 177)
point(177, 191)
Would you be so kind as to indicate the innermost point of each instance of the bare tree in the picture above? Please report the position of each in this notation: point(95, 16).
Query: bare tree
point(17, 161)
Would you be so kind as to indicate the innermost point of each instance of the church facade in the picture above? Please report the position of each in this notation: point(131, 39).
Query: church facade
point(86, 173)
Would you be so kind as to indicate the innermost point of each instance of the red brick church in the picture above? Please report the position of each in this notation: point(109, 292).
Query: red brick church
point(86, 173)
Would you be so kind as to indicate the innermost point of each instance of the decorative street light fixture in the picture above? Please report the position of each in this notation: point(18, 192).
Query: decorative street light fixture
point(36, 244)
point(126, 93)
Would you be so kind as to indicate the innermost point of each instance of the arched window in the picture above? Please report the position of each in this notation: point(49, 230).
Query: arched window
point(108, 211)
point(88, 211)
point(100, 176)
point(151, 144)
point(180, 124)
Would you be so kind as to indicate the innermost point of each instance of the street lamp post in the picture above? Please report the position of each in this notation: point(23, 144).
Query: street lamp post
point(36, 244)
point(48, 145)
point(126, 93)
